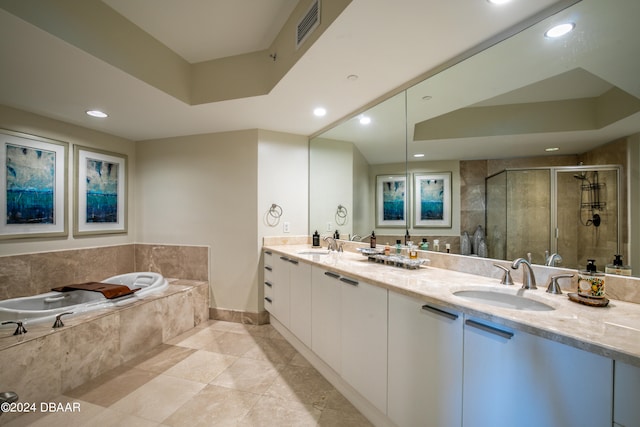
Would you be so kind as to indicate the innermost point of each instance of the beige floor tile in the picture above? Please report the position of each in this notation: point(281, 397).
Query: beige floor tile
point(299, 360)
point(276, 351)
point(230, 343)
point(301, 384)
point(111, 386)
point(270, 411)
point(250, 375)
point(49, 418)
point(111, 418)
point(159, 398)
point(333, 418)
point(161, 358)
point(202, 366)
point(213, 406)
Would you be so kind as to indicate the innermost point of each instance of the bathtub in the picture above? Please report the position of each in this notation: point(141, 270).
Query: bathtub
point(45, 307)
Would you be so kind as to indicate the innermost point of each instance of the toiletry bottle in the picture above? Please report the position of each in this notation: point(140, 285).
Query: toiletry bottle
point(406, 238)
point(436, 245)
point(398, 247)
point(617, 267)
point(387, 249)
point(591, 281)
point(413, 251)
point(448, 247)
point(372, 240)
point(336, 234)
point(316, 239)
point(424, 245)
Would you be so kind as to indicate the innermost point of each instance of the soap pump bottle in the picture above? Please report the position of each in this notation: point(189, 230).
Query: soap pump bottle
point(424, 245)
point(316, 239)
point(617, 267)
point(372, 240)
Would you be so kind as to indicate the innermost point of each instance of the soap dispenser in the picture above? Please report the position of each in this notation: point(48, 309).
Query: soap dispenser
point(316, 239)
point(372, 240)
point(591, 281)
point(617, 267)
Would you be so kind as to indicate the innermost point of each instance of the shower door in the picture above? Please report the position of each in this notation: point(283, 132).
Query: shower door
point(587, 217)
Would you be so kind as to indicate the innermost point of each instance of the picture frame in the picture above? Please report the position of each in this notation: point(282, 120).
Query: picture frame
point(100, 192)
point(432, 200)
point(33, 186)
point(391, 201)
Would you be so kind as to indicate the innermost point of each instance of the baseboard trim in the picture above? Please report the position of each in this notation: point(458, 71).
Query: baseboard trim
point(239, 316)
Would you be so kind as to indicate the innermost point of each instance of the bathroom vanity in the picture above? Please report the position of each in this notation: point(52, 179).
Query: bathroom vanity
point(407, 351)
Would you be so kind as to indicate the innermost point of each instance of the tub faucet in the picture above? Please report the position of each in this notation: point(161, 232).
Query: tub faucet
point(58, 323)
point(7, 397)
point(528, 278)
point(19, 330)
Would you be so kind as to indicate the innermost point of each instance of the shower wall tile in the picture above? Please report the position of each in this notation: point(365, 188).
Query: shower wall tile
point(184, 262)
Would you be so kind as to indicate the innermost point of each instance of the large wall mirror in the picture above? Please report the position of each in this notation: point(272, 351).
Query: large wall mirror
point(536, 140)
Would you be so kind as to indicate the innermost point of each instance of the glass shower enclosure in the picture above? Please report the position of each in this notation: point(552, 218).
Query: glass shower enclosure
point(573, 211)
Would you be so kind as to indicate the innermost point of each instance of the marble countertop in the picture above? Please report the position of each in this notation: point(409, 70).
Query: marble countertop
point(612, 331)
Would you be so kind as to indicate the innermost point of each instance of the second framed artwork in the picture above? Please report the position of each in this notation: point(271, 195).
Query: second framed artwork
point(391, 201)
point(432, 199)
point(101, 192)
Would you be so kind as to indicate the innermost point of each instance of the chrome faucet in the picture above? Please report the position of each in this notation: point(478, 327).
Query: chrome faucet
point(552, 259)
point(331, 243)
point(528, 278)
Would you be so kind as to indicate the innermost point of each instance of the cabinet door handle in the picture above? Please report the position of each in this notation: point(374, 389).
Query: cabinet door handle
point(268, 252)
point(267, 299)
point(293, 261)
point(332, 275)
point(440, 311)
point(284, 258)
point(268, 284)
point(504, 334)
point(349, 281)
point(266, 267)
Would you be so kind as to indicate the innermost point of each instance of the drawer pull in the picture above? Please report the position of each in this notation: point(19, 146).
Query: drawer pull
point(268, 252)
point(268, 284)
point(293, 261)
point(267, 299)
point(439, 311)
point(490, 329)
point(268, 268)
point(284, 258)
point(333, 275)
point(349, 281)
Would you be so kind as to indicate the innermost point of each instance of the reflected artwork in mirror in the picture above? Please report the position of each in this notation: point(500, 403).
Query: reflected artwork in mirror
point(529, 102)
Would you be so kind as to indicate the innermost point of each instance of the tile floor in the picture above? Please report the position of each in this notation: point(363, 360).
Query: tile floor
point(217, 374)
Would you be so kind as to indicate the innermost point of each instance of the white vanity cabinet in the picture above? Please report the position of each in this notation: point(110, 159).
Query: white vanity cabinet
point(326, 316)
point(626, 391)
point(512, 378)
point(364, 339)
point(425, 364)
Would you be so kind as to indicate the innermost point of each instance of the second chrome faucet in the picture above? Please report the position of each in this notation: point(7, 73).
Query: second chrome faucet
point(528, 278)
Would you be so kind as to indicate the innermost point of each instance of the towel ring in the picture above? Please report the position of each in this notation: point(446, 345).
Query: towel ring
point(275, 211)
point(341, 215)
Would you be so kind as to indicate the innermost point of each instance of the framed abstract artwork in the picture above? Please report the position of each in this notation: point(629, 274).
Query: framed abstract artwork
point(432, 201)
point(33, 187)
point(391, 201)
point(101, 192)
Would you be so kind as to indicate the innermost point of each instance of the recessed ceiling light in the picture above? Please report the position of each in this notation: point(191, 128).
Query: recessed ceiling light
point(498, 1)
point(551, 149)
point(320, 112)
point(418, 155)
point(560, 30)
point(97, 113)
point(364, 120)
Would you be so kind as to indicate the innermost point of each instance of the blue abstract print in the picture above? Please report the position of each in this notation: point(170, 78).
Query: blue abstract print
point(30, 180)
point(102, 191)
point(393, 200)
point(432, 199)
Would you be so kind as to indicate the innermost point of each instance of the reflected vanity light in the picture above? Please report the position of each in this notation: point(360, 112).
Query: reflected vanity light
point(498, 1)
point(417, 155)
point(97, 113)
point(365, 120)
point(551, 149)
point(560, 30)
point(320, 112)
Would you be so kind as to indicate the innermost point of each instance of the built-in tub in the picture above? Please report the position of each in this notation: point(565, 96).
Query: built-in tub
point(45, 307)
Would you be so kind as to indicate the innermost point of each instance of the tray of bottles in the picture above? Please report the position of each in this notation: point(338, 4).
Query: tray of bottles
point(375, 255)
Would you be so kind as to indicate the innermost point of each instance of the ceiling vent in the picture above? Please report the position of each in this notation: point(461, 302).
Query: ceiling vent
point(308, 23)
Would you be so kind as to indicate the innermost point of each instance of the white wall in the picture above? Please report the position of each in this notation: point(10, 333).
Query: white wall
point(21, 121)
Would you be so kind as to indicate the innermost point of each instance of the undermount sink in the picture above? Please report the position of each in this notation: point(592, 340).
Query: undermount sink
point(314, 252)
point(504, 300)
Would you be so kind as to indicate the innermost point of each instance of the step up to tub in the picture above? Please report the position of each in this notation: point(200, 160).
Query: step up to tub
point(109, 291)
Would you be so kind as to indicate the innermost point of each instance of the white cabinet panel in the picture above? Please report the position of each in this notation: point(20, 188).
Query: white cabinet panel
point(626, 395)
point(300, 301)
point(364, 340)
point(517, 379)
point(425, 364)
point(326, 316)
point(280, 290)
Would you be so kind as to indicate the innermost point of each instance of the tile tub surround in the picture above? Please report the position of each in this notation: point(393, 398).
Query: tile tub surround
point(36, 273)
point(45, 362)
point(613, 331)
